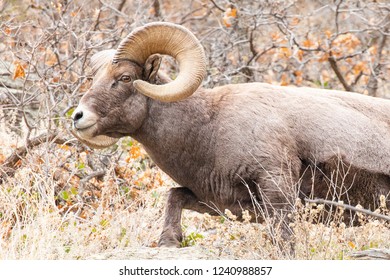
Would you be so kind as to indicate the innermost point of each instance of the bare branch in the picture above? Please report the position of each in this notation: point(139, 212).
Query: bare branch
point(216, 6)
point(349, 207)
point(372, 254)
point(10, 165)
point(372, 85)
point(336, 70)
point(337, 13)
point(157, 8)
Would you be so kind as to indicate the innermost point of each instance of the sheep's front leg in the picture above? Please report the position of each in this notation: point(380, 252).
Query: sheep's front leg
point(178, 199)
point(278, 193)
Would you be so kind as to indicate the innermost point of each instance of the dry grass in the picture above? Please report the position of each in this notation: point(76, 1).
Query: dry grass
point(44, 215)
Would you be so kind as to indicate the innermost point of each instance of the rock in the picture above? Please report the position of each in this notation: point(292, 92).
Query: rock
point(187, 253)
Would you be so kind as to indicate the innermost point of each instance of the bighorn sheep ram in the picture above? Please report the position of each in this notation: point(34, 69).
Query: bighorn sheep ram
point(234, 146)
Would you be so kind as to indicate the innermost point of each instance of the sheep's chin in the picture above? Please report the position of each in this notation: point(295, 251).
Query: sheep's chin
point(96, 142)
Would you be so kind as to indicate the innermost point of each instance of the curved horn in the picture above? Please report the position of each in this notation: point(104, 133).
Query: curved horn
point(170, 39)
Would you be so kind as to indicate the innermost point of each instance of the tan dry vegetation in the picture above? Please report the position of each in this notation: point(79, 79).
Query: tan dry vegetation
point(61, 200)
point(107, 220)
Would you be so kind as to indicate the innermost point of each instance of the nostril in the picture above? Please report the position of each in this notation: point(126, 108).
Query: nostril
point(78, 116)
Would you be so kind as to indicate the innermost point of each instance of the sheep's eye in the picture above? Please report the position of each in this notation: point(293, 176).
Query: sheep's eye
point(125, 78)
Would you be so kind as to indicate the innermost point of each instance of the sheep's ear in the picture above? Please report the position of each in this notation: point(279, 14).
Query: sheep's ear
point(101, 58)
point(151, 67)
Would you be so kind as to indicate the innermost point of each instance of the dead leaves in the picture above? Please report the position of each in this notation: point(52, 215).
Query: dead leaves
point(347, 50)
point(2, 158)
point(19, 71)
point(229, 16)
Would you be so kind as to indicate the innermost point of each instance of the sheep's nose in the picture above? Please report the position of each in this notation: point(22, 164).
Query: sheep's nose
point(77, 116)
point(83, 118)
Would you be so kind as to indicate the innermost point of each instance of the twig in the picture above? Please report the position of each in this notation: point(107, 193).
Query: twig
point(216, 6)
point(337, 13)
point(9, 94)
point(96, 174)
point(85, 180)
point(116, 11)
point(344, 57)
point(372, 254)
point(357, 79)
point(196, 18)
point(157, 8)
point(349, 207)
point(336, 70)
point(8, 168)
point(122, 4)
point(372, 85)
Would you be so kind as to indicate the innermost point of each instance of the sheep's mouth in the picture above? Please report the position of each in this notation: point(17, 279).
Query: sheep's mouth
point(95, 142)
point(86, 132)
point(81, 129)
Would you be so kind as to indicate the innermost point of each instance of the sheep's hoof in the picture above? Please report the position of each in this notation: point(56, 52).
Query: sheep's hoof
point(169, 243)
point(170, 238)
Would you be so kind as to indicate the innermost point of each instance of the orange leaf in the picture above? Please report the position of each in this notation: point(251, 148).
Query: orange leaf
point(298, 73)
point(323, 58)
point(229, 15)
point(300, 55)
point(295, 21)
point(308, 44)
point(284, 52)
point(19, 71)
point(135, 151)
point(328, 33)
point(2, 158)
point(226, 21)
point(51, 58)
point(351, 244)
point(284, 81)
point(18, 163)
point(298, 77)
point(373, 50)
point(359, 67)
point(7, 30)
point(275, 36)
point(64, 147)
point(233, 12)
